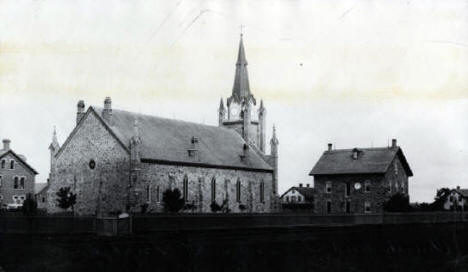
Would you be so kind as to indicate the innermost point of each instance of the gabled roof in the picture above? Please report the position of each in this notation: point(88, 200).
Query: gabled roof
point(19, 158)
point(369, 161)
point(39, 187)
point(167, 141)
point(307, 192)
point(463, 192)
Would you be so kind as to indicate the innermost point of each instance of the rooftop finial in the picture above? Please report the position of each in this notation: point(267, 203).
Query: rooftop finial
point(241, 30)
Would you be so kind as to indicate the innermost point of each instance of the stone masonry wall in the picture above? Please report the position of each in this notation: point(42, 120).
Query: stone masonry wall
point(157, 178)
point(7, 190)
point(99, 190)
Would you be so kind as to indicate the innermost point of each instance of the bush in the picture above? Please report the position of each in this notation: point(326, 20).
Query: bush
point(173, 201)
point(29, 205)
point(242, 207)
point(215, 207)
point(397, 203)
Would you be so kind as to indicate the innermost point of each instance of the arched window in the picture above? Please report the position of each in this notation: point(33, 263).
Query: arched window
point(148, 193)
point(262, 191)
point(15, 183)
point(12, 164)
point(213, 189)
point(185, 188)
point(238, 190)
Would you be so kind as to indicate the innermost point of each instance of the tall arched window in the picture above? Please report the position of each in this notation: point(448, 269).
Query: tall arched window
point(213, 189)
point(12, 164)
point(238, 190)
point(185, 189)
point(21, 185)
point(262, 191)
point(148, 193)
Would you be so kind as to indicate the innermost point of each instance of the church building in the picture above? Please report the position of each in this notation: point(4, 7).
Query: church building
point(117, 161)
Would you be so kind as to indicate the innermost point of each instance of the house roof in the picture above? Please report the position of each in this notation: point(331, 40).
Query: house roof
point(168, 140)
point(39, 187)
point(369, 161)
point(18, 157)
point(463, 192)
point(307, 192)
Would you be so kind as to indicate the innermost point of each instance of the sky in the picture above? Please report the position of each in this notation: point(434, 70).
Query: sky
point(351, 73)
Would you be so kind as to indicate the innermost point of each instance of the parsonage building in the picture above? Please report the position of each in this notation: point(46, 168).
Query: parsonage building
point(359, 180)
point(117, 161)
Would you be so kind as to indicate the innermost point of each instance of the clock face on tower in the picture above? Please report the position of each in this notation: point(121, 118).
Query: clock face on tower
point(234, 111)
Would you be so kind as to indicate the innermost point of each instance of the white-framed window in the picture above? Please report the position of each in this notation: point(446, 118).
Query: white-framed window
point(148, 193)
point(19, 199)
point(367, 186)
point(328, 187)
point(367, 207)
point(12, 164)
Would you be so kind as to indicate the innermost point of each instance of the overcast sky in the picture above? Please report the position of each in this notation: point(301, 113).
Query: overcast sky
point(353, 73)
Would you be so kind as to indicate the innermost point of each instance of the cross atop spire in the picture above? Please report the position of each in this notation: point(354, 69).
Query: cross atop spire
point(241, 88)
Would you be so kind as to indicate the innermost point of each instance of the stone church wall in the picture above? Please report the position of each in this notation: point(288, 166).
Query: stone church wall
point(102, 189)
point(157, 178)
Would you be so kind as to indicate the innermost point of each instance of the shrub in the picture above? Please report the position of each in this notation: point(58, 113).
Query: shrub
point(173, 201)
point(397, 203)
point(66, 198)
point(29, 205)
point(242, 207)
point(215, 207)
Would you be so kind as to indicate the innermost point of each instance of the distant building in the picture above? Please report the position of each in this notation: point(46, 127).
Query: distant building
point(457, 200)
point(16, 176)
point(116, 161)
point(359, 180)
point(40, 193)
point(298, 194)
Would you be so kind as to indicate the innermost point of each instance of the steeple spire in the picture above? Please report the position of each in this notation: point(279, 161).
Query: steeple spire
point(241, 88)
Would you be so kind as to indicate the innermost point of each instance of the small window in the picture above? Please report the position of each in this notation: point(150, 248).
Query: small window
point(185, 188)
point(292, 191)
point(238, 190)
point(262, 192)
point(299, 199)
point(367, 207)
point(287, 198)
point(329, 206)
point(15, 183)
point(92, 164)
point(43, 199)
point(367, 186)
point(3, 164)
point(293, 199)
point(12, 164)
point(328, 187)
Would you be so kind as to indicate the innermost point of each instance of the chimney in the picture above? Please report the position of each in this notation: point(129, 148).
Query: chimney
point(394, 143)
point(330, 147)
point(300, 185)
point(6, 144)
point(80, 111)
point(458, 187)
point(107, 112)
point(308, 185)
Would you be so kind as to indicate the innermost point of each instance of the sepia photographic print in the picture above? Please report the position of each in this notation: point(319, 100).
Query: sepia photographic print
point(233, 135)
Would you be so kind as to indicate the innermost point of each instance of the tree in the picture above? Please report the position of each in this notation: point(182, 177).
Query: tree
point(441, 198)
point(173, 201)
point(397, 203)
point(29, 205)
point(66, 198)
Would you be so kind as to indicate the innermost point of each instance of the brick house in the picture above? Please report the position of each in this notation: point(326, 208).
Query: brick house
point(298, 194)
point(17, 177)
point(359, 180)
point(116, 160)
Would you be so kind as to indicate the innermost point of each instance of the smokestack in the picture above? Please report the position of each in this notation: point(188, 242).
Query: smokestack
point(308, 185)
point(300, 185)
point(330, 147)
point(107, 112)
point(80, 111)
point(6, 144)
point(394, 143)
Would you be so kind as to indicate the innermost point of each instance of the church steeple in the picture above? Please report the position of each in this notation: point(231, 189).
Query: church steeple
point(241, 88)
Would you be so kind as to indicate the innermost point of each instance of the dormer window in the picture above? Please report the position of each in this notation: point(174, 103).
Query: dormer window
point(355, 154)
